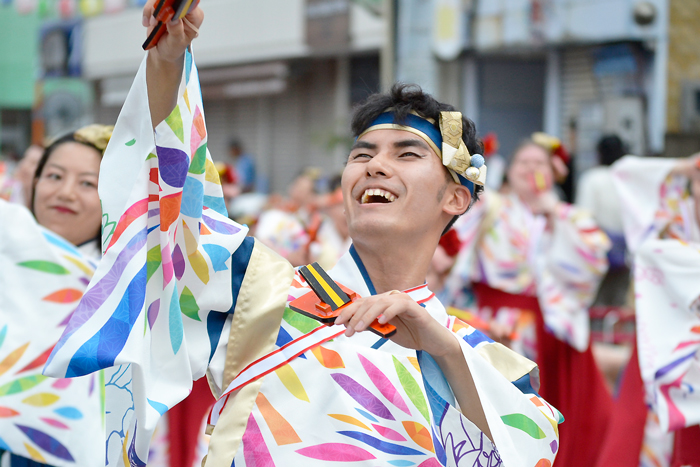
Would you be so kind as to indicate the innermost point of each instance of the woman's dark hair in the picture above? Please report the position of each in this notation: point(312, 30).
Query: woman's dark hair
point(610, 148)
point(69, 138)
point(402, 99)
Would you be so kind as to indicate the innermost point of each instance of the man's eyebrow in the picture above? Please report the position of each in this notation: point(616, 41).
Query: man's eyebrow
point(360, 144)
point(412, 143)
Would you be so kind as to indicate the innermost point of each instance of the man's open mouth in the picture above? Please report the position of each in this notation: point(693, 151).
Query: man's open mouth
point(377, 195)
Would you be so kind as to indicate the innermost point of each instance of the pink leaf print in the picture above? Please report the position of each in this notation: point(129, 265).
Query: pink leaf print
point(382, 383)
point(336, 452)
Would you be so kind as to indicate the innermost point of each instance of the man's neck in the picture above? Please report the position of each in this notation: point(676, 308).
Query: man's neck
point(395, 266)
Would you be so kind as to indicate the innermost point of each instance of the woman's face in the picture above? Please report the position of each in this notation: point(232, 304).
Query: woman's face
point(527, 161)
point(65, 199)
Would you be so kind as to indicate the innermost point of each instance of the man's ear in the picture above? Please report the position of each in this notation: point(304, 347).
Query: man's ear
point(457, 200)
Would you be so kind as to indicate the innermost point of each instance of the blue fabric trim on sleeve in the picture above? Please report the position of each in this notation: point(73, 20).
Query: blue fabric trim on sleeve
point(239, 266)
point(215, 325)
point(525, 386)
point(476, 337)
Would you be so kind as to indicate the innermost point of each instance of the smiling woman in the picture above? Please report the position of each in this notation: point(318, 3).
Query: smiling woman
point(45, 264)
point(65, 198)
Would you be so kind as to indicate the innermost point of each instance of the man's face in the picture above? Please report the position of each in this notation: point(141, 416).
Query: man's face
point(395, 184)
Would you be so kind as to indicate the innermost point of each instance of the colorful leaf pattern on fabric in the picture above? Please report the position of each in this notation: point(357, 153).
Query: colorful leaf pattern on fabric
point(523, 423)
point(44, 277)
point(388, 433)
point(384, 446)
point(383, 384)
point(349, 419)
point(42, 399)
point(254, 447)
point(336, 452)
point(412, 389)
point(291, 381)
point(9, 361)
point(420, 435)
point(365, 398)
point(281, 429)
point(328, 358)
point(44, 266)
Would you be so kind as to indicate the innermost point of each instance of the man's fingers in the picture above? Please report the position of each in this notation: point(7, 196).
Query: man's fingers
point(147, 13)
point(196, 17)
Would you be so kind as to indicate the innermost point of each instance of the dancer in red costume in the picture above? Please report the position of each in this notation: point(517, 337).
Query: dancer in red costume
point(535, 264)
point(661, 214)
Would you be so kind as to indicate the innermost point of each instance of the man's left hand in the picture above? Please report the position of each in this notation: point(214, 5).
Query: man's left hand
point(415, 327)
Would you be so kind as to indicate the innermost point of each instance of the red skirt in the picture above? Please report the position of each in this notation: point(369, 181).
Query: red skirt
point(184, 422)
point(570, 381)
point(626, 432)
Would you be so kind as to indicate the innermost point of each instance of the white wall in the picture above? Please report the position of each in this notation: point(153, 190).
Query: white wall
point(507, 23)
point(234, 32)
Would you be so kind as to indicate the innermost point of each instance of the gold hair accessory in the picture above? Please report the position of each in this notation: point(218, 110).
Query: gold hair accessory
point(549, 142)
point(96, 135)
point(455, 155)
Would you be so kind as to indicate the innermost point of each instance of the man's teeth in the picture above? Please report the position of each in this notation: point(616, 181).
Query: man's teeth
point(377, 192)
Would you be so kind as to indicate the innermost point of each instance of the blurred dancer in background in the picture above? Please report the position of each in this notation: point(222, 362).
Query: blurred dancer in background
point(18, 186)
point(290, 225)
point(661, 213)
point(535, 264)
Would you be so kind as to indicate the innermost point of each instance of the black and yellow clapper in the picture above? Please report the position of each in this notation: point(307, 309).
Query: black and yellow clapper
point(328, 299)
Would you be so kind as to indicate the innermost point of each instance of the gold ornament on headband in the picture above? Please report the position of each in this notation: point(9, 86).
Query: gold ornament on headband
point(97, 135)
point(455, 155)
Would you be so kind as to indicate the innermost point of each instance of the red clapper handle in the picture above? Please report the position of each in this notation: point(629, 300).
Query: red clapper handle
point(312, 306)
point(164, 12)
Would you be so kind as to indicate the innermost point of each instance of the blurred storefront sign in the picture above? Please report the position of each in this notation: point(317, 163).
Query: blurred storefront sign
point(328, 24)
point(449, 28)
point(61, 48)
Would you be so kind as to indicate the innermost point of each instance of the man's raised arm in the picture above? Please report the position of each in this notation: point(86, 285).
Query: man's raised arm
point(165, 60)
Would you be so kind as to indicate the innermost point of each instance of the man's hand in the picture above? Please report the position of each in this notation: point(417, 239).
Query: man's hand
point(166, 60)
point(171, 47)
point(415, 328)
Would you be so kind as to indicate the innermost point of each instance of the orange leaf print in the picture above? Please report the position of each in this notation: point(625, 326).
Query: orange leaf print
point(281, 430)
point(420, 435)
point(328, 358)
point(169, 210)
point(6, 412)
point(13, 358)
point(64, 296)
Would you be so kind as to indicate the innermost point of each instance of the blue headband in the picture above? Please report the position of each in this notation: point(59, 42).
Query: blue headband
point(423, 128)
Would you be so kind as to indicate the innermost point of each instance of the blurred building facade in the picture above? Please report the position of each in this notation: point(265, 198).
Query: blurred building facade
point(278, 75)
point(18, 71)
point(577, 69)
point(282, 75)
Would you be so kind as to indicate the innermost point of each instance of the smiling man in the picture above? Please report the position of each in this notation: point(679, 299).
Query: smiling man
point(292, 391)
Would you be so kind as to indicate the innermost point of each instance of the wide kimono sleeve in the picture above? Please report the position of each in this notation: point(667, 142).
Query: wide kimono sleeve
point(648, 195)
point(159, 307)
point(523, 425)
point(667, 289)
point(569, 272)
point(50, 421)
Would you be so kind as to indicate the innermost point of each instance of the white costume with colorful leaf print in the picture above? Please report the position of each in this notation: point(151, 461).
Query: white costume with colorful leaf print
point(178, 258)
point(364, 400)
point(52, 421)
point(662, 231)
